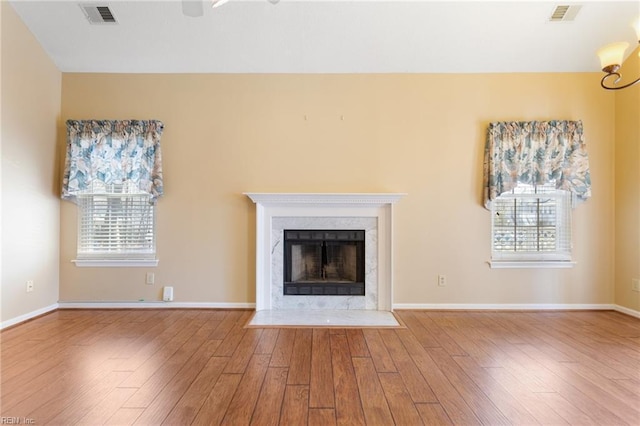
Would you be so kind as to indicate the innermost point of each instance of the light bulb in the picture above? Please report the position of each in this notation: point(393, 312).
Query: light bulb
point(612, 54)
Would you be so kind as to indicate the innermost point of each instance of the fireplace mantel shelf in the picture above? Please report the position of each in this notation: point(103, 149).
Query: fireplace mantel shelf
point(270, 198)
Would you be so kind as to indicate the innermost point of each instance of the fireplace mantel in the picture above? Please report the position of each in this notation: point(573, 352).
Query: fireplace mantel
point(369, 199)
point(323, 206)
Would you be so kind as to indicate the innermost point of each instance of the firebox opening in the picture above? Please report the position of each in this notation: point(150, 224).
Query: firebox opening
point(324, 262)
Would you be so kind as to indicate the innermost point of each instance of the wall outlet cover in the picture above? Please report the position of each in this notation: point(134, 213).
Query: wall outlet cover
point(442, 280)
point(167, 294)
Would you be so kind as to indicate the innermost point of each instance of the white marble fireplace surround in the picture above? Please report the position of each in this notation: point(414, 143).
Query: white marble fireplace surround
point(368, 211)
point(368, 301)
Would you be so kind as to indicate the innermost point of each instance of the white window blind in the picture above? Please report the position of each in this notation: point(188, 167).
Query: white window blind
point(116, 223)
point(532, 222)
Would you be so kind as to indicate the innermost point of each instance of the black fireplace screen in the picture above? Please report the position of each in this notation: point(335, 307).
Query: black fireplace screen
point(324, 262)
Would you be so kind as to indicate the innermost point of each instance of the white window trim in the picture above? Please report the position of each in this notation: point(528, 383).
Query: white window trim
point(115, 263)
point(531, 264)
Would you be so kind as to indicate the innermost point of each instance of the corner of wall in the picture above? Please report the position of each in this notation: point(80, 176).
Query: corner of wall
point(30, 111)
point(627, 186)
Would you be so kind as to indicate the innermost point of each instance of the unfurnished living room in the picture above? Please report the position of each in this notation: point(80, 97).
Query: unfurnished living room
point(317, 212)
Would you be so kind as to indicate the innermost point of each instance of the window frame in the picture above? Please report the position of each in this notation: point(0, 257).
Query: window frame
point(561, 257)
point(115, 256)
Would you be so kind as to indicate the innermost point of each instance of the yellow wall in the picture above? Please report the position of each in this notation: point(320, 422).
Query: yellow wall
point(420, 134)
point(627, 168)
point(31, 101)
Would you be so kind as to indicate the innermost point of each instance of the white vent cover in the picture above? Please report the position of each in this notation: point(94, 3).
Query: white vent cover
point(98, 14)
point(564, 13)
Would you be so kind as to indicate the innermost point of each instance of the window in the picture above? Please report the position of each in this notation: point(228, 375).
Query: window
point(116, 227)
point(113, 172)
point(532, 223)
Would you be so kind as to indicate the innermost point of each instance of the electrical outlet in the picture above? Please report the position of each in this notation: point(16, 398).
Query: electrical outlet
point(150, 279)
point(635, 284)
point(29, 286)
point(442, 280)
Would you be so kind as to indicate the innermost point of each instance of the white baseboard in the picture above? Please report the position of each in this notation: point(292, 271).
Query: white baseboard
point(505, 306)
point(153, 305)
point(627, 311)
point(399, 306)
point(27, 317)
point(518, 307)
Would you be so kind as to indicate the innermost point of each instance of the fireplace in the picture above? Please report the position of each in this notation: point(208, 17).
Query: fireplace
point(280, 300)
point(370, 214)
point(324, 262)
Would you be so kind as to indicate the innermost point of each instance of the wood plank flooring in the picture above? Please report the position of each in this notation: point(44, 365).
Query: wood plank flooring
point(202, 367)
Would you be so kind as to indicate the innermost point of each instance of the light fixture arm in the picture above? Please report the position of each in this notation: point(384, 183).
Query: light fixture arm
point(614, 72)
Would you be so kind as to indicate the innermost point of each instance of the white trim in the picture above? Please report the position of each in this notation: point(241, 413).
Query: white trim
point(507, 306)
point(627, 311)
point(530, 264)
point(266, 198)
point(27, 317)
point(152, 305)
point(115, 263)
point(399, 306)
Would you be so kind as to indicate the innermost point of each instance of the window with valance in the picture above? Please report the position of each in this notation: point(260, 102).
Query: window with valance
point(534, 174)
point(113, 172)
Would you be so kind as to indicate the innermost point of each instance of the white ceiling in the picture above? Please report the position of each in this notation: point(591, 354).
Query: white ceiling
point(305, 36)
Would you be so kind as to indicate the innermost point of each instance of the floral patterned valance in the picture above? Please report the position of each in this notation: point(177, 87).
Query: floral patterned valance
point(109, 152)
point(536, 152)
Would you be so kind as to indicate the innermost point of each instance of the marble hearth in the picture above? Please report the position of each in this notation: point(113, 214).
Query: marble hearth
point(279, 211)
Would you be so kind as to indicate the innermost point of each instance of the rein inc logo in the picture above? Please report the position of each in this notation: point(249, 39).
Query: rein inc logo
point(4, 420)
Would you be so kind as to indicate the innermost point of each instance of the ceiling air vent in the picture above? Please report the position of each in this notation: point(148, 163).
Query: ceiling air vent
point(98, 14)
point(564, 13)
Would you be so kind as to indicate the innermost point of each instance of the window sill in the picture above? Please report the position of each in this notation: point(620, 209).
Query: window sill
point(115, 263)
point(530, 264)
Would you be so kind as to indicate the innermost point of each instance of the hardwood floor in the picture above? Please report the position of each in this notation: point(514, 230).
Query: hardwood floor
point(181, 367)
